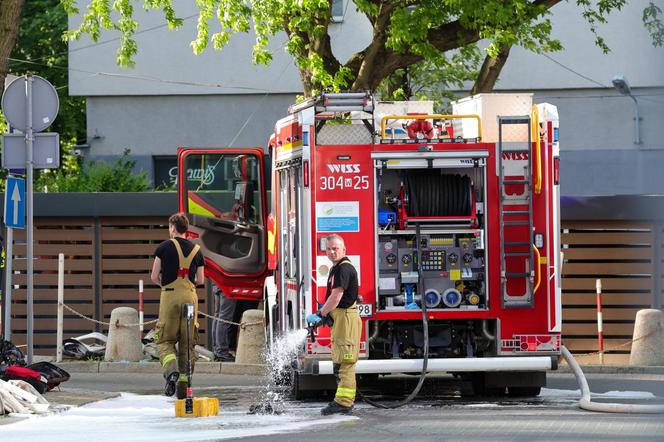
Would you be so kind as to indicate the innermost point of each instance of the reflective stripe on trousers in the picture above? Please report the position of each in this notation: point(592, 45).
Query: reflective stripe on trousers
point(346, 333)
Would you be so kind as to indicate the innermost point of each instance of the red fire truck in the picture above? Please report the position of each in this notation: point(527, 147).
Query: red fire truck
point(454, 216)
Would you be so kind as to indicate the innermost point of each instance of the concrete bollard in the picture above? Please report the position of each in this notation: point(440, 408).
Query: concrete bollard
point(251, 339)
point(648, 345)
point(124, 342)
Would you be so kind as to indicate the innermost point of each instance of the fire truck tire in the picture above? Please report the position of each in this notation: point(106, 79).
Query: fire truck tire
point(480, 387)
point(523, 391)
point(297, 393)
point(493, 392)
point(310, 386)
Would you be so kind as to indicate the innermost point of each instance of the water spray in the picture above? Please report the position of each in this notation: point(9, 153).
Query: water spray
point(278, 359)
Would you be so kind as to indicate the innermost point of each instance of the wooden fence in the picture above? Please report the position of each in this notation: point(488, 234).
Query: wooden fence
point(627, 257)
point(104, 260)
point(105, 257)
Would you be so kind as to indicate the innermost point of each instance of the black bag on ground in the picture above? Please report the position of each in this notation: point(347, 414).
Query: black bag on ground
point(53, 374)
point(10, 354)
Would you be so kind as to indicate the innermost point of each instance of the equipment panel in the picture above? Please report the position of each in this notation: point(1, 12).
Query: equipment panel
point(450, 271)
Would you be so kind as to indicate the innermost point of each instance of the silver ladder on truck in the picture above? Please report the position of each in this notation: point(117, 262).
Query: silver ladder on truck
point(328, 105)
point(515, 166)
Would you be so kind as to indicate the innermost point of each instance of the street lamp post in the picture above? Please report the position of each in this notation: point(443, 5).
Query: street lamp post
point(622, 86)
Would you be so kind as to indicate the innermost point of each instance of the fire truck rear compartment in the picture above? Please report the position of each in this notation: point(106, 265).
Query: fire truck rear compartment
point(447, 206)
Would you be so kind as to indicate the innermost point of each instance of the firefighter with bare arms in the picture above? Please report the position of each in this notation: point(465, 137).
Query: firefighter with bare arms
point(341, 307)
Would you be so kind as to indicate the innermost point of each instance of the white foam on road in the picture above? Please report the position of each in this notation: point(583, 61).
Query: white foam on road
point(136, 418)
point(552, 393)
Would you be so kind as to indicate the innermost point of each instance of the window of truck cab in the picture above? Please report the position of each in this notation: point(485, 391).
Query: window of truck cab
point(224, 186)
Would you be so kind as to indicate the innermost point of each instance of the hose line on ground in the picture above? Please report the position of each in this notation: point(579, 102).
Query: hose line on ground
point(587, 404)
point(425, 332)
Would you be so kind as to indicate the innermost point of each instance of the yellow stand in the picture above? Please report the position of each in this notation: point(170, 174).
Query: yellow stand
point(203, 407)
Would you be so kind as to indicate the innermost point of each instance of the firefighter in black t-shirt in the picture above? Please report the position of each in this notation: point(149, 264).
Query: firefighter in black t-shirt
point(340, 305)
point(178, 266)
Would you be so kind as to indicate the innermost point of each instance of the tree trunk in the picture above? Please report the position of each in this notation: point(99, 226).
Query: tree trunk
point(307, 85)
point(488, 75)
point(10, 19)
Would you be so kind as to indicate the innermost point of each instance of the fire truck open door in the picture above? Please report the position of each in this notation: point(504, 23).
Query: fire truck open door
point(222, 191)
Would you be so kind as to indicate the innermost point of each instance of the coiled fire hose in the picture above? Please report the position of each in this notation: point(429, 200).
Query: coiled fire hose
point(587, 404)
point(433, 194)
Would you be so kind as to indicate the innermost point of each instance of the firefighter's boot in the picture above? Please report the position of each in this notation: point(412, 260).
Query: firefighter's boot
point(171, 379)
point(346, 333)
point(335, 408)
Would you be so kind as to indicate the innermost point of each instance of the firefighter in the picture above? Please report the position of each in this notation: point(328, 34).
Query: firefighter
point(340, 305)
point(178, 266)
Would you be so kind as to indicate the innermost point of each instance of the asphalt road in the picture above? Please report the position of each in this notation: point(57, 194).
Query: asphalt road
point(443, 412)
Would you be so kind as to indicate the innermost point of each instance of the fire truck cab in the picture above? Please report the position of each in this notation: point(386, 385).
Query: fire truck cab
point(455, 214)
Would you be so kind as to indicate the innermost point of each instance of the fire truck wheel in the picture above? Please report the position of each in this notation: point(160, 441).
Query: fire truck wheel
point(298, 384)
point(480, 388)
point(524, 391)
point(296, 391)
point(494, 391)
point(311, 387)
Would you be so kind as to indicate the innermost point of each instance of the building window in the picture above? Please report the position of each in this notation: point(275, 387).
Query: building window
point(165, 172)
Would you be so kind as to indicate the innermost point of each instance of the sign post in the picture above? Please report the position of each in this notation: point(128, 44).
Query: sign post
point(29, 139)
point(30, 105)
point(8, 283)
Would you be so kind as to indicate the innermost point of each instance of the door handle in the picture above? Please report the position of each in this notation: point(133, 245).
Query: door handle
point(224, 224)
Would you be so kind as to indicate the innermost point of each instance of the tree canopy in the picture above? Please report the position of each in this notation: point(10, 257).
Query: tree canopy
point(405, 32)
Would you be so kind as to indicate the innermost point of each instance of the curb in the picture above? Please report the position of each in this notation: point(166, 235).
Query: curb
point(229, 368)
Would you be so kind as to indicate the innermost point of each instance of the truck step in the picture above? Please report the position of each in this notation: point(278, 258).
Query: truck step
point(514, 120)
